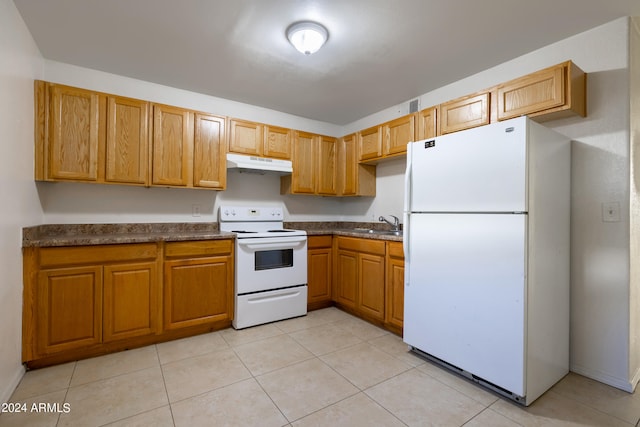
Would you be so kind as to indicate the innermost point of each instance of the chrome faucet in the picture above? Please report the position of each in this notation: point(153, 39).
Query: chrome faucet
point(395, 224)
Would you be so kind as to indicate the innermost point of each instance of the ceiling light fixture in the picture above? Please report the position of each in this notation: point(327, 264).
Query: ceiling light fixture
point(307, 37)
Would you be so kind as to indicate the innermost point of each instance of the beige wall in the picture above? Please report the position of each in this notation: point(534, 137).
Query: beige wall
point(20, 63)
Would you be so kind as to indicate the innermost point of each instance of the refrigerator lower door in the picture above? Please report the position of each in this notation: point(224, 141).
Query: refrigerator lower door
point(465, 293)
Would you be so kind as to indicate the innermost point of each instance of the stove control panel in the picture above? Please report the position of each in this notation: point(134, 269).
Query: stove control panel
point(246, 213)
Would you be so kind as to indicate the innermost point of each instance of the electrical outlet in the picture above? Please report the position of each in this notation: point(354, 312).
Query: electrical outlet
point(195, 210)
point(611, 212)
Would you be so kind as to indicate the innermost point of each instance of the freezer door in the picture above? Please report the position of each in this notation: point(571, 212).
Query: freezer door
point(478, 170)
point(465, 293)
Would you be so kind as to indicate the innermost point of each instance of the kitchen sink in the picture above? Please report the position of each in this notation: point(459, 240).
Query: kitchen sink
point(378, 232)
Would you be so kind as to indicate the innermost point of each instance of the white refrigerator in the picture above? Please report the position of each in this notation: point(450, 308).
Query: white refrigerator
point(487, 255)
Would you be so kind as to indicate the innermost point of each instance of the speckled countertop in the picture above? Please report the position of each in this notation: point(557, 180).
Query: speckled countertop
point(52, 235)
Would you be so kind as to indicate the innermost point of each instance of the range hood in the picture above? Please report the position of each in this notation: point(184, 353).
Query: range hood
point(256, 164)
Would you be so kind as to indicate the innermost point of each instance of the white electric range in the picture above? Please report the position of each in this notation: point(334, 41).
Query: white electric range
point(270, 266)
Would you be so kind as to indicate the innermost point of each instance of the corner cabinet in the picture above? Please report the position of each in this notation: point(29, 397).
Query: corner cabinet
point(198, 283)
point(353, 178)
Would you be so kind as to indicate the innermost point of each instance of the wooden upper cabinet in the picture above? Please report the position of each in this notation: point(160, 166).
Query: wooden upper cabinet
point(277, 142)
point(353, 178)
point(327, 154)
point(172, 142)
point(427, 123)
point(303, 177)
point(554, 92)
point(257, 139)
point(209, 149)
point(72, 147)
point(347, 166)
point(246, 137)
point(127, 145)
point(398, 133)
point(465, 113)
point(370, 143)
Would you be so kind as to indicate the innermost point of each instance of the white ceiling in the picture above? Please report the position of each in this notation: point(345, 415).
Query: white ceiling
point(380, 52)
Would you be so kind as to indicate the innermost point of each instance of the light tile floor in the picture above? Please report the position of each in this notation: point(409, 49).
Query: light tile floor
point(325, 369)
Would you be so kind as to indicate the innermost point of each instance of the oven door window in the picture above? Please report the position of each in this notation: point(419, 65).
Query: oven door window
point(278, 258)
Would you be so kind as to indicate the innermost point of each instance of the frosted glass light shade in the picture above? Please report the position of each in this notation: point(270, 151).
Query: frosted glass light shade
point(307, 37)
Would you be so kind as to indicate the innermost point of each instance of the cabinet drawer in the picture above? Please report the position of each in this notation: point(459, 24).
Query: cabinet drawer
point(395, 250)
point(100, 254)
point(319, 241)
point(362, 245)
point(198, 248)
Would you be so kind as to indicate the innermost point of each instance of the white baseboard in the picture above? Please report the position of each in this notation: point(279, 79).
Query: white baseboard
point(10, 386)
point(622, 384)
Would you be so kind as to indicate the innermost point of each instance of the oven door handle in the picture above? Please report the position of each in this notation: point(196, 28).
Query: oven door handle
point(263, 244)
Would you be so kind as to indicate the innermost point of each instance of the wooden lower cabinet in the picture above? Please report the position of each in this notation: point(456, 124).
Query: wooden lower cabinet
point(359, 277)
point(198, 283)
point(130, 295)
point(69, 308)
point(394, 299)
point(319, 257)
point(82, 301)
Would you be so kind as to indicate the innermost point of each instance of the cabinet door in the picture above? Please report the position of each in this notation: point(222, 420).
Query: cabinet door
point(370, 143)
point(465, 113)
point(427, 123)
point(69, 312)
point(303, 178)
point(277, 142)
point(127, 147)
point(74, 132)
point(398, 133)
point(130, 300)
point(371, 285)
point(246, 137)
point(209, 163)
point(327, 165)
point(347, 170)
point(346, 283)
point(538, 91)
point(197, 291)
point(171, 146)
point(319, 255)
point(394, 306)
